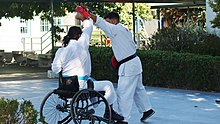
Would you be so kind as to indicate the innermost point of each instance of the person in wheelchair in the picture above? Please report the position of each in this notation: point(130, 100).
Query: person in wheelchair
point(73, 59)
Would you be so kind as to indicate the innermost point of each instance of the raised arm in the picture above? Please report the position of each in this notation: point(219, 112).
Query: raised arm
point(85, 12)
point(83, 15)
point(87, 32)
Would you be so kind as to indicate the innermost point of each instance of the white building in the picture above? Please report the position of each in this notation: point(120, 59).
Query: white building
point(34, 35)
point(17, 34)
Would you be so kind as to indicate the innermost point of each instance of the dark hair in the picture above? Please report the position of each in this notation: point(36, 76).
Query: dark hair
point(73, 32)
point(112, 15)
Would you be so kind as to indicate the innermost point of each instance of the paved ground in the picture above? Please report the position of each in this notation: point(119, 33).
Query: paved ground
point(15, 72)
point(172, 106)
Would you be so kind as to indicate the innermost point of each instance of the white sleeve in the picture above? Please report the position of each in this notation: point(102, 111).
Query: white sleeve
point(57, 64)
point(86, 33)
point(107, 27)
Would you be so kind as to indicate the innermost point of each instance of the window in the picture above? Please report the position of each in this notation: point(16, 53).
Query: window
point(23, 26)
point(57, 21)
point(44, 25)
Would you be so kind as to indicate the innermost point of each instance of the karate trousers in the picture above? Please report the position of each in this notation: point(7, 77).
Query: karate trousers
point(105, 85)
point(130, 89)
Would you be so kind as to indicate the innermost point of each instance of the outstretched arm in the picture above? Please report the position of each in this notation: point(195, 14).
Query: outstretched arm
point(93, 17)
point(107, 27)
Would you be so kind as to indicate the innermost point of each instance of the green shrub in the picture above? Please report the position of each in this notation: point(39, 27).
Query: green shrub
point(13, 112)
point(101, 63)
point(165, 69)
point(181, 70)
point(191, 38)
point(178, 39)
point(209, 46)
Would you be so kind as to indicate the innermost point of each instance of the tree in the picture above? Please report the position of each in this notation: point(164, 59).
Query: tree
point(215, 5)
point(178, 17)
point(27, 10)
point(101, 8)
point(141, 9)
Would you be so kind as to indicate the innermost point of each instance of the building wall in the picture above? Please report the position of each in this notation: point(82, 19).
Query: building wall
point(11, 36)
point(210, 15)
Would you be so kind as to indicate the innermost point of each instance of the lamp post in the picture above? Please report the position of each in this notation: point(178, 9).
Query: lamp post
point(133, 13)
point(52, 28)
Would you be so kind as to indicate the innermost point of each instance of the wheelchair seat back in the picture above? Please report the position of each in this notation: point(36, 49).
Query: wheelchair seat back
point(68, 86)
point(69, 83)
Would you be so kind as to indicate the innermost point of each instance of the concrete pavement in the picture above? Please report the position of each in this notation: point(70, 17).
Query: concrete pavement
point(172, 106)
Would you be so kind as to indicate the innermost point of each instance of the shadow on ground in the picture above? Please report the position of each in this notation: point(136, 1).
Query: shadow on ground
point(13, 72)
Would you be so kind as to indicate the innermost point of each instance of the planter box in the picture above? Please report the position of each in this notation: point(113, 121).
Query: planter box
point(1, 57)
point(32, 59)
point(44, 60)
point(19, 57)
point(8, 57)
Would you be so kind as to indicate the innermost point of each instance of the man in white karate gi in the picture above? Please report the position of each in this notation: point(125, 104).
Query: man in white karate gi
point(73, 59)
point(130, 88)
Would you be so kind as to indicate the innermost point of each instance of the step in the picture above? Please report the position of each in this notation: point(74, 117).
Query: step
point(44, 60)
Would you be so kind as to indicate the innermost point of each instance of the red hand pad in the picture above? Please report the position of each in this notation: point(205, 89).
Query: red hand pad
point(114, 62)
point(83, 11)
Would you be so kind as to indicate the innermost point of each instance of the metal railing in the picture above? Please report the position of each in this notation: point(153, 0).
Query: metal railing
point(40, 45)
point(43, 44)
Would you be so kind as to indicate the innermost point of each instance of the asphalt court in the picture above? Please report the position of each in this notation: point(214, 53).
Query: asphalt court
point(172, 106)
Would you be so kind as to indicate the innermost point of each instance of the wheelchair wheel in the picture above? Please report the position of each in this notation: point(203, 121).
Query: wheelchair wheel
point(55, 109)
point(88, 107)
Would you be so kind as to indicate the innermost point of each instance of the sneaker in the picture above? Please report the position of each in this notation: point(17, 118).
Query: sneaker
point(115, 115)
point(121, 122)
point(147, 114)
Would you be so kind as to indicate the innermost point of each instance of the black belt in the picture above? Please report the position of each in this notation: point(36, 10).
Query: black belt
point(127, 59)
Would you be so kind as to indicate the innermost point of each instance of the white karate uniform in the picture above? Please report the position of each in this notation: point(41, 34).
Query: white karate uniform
point(130, 88)
point(74, 59)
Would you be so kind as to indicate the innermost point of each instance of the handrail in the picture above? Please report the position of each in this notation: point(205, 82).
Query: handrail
point(46, 39)
point(43, 48)
point(46, 47)
point(43, 41)
point(44, 34)
point(36, 40)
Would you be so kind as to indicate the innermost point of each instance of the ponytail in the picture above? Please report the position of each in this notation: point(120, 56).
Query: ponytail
point(66, 41)
point(73, 33)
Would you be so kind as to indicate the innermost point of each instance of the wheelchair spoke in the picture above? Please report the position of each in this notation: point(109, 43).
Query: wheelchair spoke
point(88, 106)
point(54, 109)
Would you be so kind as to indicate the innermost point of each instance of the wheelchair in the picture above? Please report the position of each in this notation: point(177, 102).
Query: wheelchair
point(67, 103)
